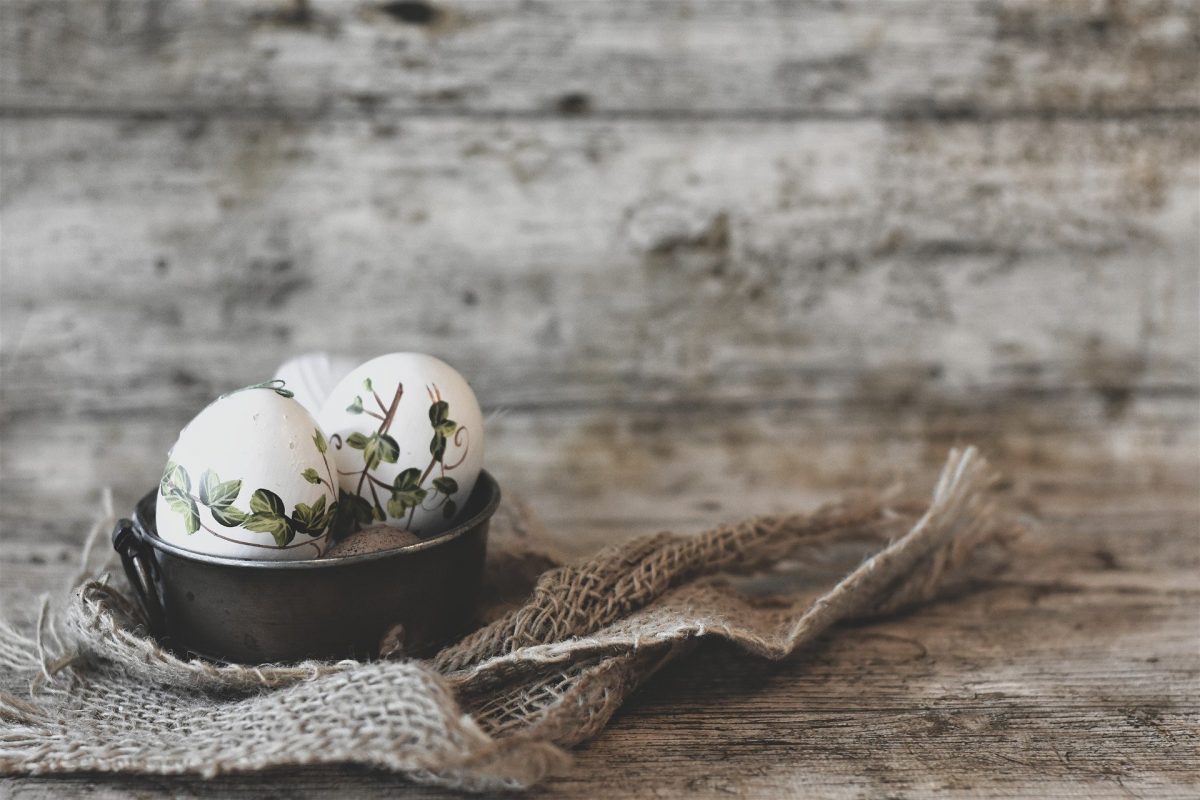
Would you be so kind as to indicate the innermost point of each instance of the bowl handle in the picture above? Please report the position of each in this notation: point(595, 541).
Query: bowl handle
point(140, 570)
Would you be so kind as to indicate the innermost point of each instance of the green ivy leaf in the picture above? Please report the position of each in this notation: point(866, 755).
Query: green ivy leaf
point(264, 501)
point(177, 504)
point(308, 518)
point(356, 407)
point(379, 448)
point(401, 502)
point(279, 526)
point(208, 482)
point(180, 480)
point(168, 477)
point(445, 485)
point(328, 517)
point(186, 507)
point(357, 440)
point(443, 427)
point(449, 509)
point(228, 516)
point(311, 475)
point(408, 479)
point(361, 509)
point(396, 507)
point(352, 512)
point(319, 441)
point(439, 412)
point(406, 492)
point(215, 493)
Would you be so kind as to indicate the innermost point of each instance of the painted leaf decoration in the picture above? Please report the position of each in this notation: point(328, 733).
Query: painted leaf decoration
point(357, 440)
point(408, 479)
point(311, 476)
point(445, 485)
point(396, 507)
point(380, 448)
point(367, 384)
point(352, 512)
point(180, 480)
point(406, 492)
point(356, 407)
point(443, 426)
point(279, 526)
point(226, 492)
point(308, 518)
point(328, 517)
point(319, 441)
point(228, 516)
point(208, 482)
point(371, 453)
point(214, 492)
point(405, 499)
point(264, 501)
point(361, 509)
point(168, 478)
point(186, 507)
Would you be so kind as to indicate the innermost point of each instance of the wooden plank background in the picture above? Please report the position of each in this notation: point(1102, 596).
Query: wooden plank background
point(701, 259)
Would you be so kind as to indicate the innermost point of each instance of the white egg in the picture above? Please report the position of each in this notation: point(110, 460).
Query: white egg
point(407, 435)
point(312, 376)
point(249, 478)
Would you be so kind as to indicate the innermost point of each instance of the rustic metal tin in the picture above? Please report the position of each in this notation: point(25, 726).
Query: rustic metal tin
point(261, 611)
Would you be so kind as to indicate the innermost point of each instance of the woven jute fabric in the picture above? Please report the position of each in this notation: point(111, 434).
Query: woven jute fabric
point(500, 708)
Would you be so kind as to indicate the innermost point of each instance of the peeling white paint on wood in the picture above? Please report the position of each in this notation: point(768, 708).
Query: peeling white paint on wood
point(601, 262)
point(832, 238)
point(686, 57)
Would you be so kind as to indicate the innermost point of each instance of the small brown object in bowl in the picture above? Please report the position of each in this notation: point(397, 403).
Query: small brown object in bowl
point(372, 540)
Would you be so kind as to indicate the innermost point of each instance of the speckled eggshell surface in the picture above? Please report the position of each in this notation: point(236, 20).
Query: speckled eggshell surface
point(248, 478)
point(407, 434)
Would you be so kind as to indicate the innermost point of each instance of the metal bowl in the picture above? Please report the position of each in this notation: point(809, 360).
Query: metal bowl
point(229, 609)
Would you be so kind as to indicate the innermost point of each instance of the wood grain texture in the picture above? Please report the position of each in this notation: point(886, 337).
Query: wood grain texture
point(330, 58)
point(741, 267)
point(700, 259)
point(1072, 673)
point(607, 262)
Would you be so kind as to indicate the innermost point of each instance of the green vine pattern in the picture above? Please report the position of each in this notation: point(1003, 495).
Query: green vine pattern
point(408, 491)
point(267, 513)
point(277, 385)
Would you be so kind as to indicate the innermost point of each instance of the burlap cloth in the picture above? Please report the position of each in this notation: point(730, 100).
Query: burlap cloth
point(499, 708)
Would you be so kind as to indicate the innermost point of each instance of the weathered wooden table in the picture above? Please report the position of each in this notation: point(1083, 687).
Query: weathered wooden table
point(706, 259)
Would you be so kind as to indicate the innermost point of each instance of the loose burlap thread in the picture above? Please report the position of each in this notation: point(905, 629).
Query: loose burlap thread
point(498, 709)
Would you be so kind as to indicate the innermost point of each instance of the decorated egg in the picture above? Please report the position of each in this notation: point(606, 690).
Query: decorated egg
point(249, 478)
point(406, 433)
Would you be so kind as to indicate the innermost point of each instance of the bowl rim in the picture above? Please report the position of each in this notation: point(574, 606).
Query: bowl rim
point(484, 483)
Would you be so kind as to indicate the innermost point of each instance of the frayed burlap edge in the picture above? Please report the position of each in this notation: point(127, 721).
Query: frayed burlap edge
point(497, 709)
